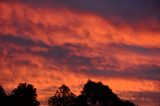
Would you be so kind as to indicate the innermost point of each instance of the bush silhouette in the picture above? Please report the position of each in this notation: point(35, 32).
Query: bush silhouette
point(62, 97)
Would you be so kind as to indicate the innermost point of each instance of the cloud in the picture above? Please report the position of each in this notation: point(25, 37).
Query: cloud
point(66, 56)
point(16, 40)
point(141, 72)
point(119, 10)
point(135, 49)
point(142, 98)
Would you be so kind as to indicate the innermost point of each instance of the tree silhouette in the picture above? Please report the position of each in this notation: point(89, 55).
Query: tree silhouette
point(97, 94)
point(62, 97)
point(126, 103)
point(3, 96)
point(2, 92)
point(24, 95)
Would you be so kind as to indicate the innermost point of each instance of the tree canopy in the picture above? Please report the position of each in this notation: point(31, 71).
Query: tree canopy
point(62, 97)
point(97, 94)
point(24, 95)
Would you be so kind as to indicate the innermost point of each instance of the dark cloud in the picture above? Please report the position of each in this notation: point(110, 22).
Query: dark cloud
point(26, 62)
point(21, 41)
point(65, 56)
point(56, 54)
point(142, 98)
point(16, 40)
point(117, 10)
point(68, 55)
point(141, 72)
point(14, 50)
point(147, 71)
point(135, 49)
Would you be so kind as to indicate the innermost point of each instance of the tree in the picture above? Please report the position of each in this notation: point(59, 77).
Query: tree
point(3, 96)
point(126, 103)
point(62, 97)
point(24, 95)
point(97, 94)
point(2, 92)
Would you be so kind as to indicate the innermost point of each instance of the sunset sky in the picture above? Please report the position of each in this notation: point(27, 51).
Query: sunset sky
point(52, 42)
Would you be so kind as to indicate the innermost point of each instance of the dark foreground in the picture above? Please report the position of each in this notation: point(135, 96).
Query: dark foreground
point(93, 94)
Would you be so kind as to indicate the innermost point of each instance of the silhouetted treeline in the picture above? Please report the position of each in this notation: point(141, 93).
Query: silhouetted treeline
point(93, 94)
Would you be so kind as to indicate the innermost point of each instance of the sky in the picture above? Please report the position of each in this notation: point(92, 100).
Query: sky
point(52, 42)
